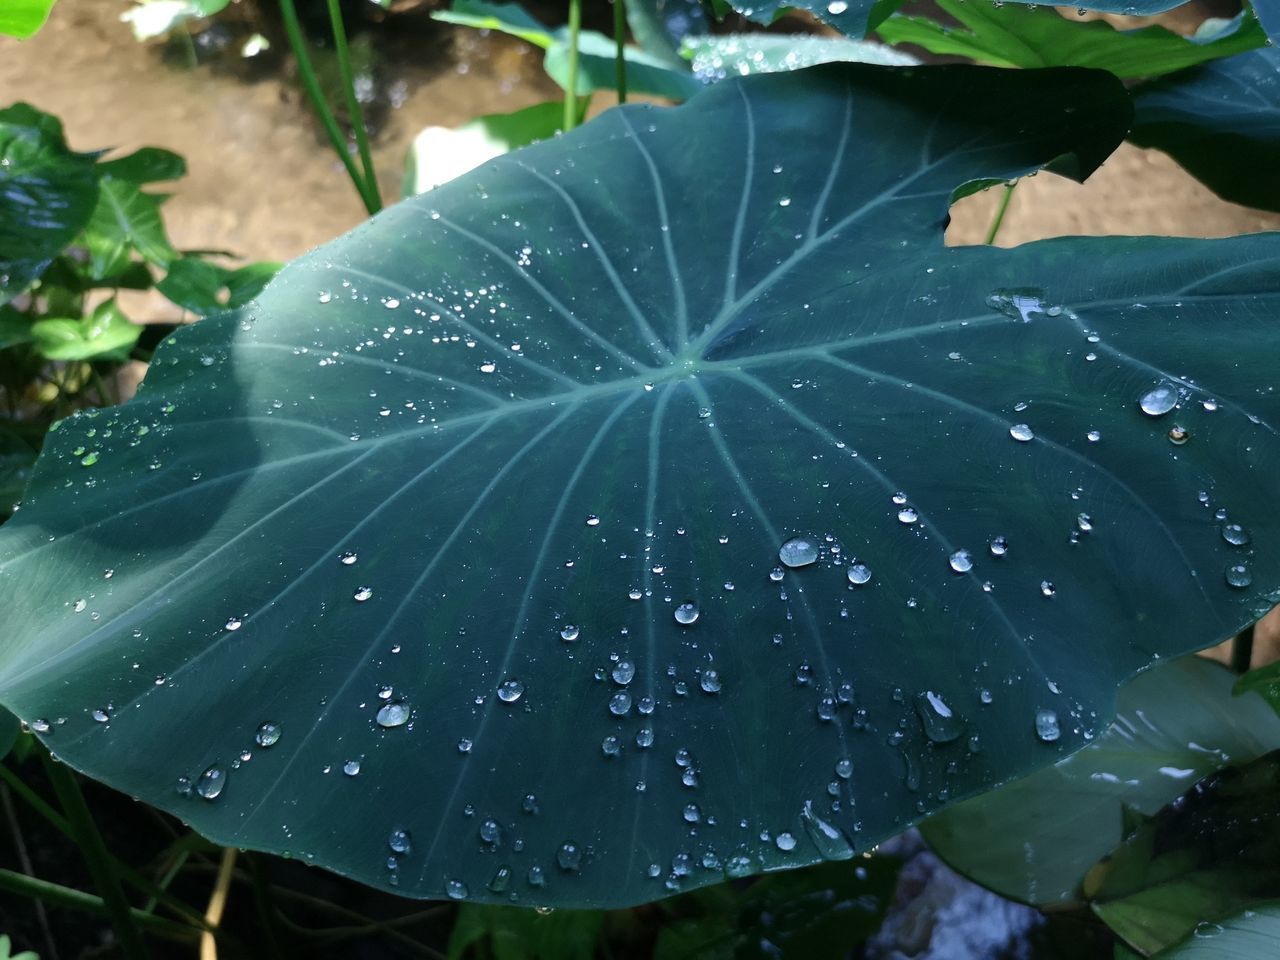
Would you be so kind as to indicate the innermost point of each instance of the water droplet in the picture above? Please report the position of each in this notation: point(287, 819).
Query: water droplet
point(686, 614)
point(1179, 435)
point(961, 561)
point(347, 559)
point(400, 841)
point(268, 734)
point(211, 783)
point(1085, 523)
point(1021, 432)
point(908, 515)
point(644, 737)
point(844, 768)
point(393, 714)
point(624, 671)
point(776, 574)
point(999, 547)
point(501, 879)
point(1093, 436)
point(233, 623)
point(1239, 576)
point(490, 832)
point(940, 723)
point(1047, 589)
point(798, 552)
point(510, 690)
point(837, 7)
point(569, 633)
point(1160, 400)
point(1235, 534)
point(351, 768)
point(456, 889)
point(1047, 728)
point(691, 813)
point(710, 681)
point(620, 704)
point(569, 857)
point(593, 521)
point(362, 594)
point(611, 746)
point(785, 841)
point(465, 745)
point(859, 573)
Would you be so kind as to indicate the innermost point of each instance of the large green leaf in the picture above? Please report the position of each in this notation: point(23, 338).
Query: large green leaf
point(423, 477)
point(854, 18)
point(1015, 35)
point(1035, 839)
point(1222, 122)
point(47, 194)
point(23, 18)
point(1250, 935)
point(735, 55)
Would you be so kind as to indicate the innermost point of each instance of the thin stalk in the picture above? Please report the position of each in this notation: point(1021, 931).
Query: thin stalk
point(166, 878)
point(265, 905)
point(24, 860)
point(96, 857)
point(35, 801)
point(620, 39)
point(353, 103)
point(311, 84)
point(1000, 212)
point(217, 903)
point(571, 86)
point(58, 895)
point(1242, 650)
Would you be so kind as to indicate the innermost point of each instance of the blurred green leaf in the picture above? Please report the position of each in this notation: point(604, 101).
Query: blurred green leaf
point(660, 26)
point(203, 287)
point(1015, 35)
point(47, 194)
point(10, 727)
point(1265, 682)
point(1033, 840)
point(23, 18)
point(512, 933)
point(125, 220)
point(106, 334)
point(14, 328)
point(147, 165)
point(731, 55)
point(17, 457)
point(1204, 857)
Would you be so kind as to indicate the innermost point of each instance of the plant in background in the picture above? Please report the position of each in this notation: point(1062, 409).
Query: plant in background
point(664, 504)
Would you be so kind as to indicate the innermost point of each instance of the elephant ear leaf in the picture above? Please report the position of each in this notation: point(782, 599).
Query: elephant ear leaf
point(660, 503)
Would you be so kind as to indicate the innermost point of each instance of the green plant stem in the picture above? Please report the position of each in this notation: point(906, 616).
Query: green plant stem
point(55, 893)
point(96, 857)
point(265, 905)
point(1000, 212)
point(1242, 650)
point(571, 84)
point(217, 904)
point(620, 38)
point(33, 800)
point(353, 104)
point(311, 84)
point(166, 878)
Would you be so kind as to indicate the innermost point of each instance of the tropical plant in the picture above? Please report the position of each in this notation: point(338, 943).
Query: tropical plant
point(664, 503)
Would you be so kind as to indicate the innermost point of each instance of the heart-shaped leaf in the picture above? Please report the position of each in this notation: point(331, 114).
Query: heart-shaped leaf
point(661, 502)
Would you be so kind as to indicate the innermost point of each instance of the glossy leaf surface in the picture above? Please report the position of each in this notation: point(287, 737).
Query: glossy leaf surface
point(595, 525)
point(1222, 122)
point(47, 194)
point(1252, 934)
point(734, 55)
point(1015, 35)
point(1035, 839)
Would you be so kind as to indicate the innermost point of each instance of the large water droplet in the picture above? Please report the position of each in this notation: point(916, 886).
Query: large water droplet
point(267, 734)
point(999, 547)
point(569, 633)
point(1235, 534)
point(620, 704)
point(940, 723)
point(961, 561)
point(1021, 432)
point(859, 573)
point(393, 714)
point(798, 552)
point(569, 857)
point(1047, 728)
point(456, 889)
point(785, 841)
point(686, 613)
point(1239, 576)
point(908, 515)
point(511, 690)
point(624, 671)
point(1159, 400)
point(400, 841)
point(211, 783)
point(710, 681)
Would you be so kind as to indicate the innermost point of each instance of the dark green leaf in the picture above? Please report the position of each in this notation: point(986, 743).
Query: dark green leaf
point(46, 195)
point(22, 18)
point(10, 727)
point(14, 328)
point(1035, 839)
point(1014, 35)
point(1253, 934)
point(1222, 122)
point(660, 26)
point(733, 55)
point(16, 460)
point(148, 165)
point(125, 220)
point(646, 73)
point(245, 283)
point(203, 287)
point(855, 18)
point(508, 933)
point(106, 334)
point(707, 369)
point(1265, 682)
point(1202, 859)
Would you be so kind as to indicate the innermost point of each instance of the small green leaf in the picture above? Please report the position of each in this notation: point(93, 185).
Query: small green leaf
point(106, 334)
point(1033, 840)
point(1015, 35)
point(23, 18)
point(47, 194)
point(1221, 121)
point(147, 165)
point(125, 220)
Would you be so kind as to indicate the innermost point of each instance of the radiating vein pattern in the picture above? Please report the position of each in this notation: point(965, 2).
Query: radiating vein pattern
point(661, 503)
